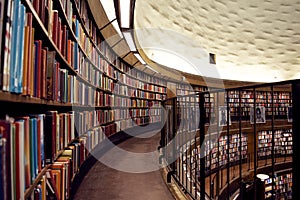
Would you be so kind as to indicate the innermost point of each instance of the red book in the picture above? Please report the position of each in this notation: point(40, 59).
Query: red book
point(59, 35)
point(43, 73)
point(19, 152)
point(42, 10)
point(55, 26)
point(63, 40)
point(39, 68)
point(36, 5)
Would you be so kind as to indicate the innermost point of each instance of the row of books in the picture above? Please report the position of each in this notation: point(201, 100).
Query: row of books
point(136, 83)
point(122, 114)
point(26, 74)
point(56, 182)
point(29, 144)
point(283, 143)
point(216, 155)
point(283, 186)
point(86, 65)
point(139, 75)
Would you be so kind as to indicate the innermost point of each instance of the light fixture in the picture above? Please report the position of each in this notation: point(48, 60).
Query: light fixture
point(151, 68)
point(129, 40)
point(138, 56)
point(117, 28)
point(125, 11)
point(109, 8)
point(262, 177)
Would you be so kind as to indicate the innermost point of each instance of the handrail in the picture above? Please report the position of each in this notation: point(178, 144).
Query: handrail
point(215, 90)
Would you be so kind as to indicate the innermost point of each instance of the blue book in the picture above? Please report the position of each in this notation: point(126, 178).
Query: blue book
point(33, 148)
point(14, 42)
point(19, 75)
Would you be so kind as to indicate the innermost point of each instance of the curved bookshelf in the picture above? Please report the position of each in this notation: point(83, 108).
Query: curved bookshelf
point(67, 96)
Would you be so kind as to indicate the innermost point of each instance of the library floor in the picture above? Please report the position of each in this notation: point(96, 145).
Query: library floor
point(102, 182)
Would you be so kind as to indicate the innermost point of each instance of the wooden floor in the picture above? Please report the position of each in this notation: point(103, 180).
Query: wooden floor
point(105, 183)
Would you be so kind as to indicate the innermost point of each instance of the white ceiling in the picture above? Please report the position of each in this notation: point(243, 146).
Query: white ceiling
point(253, 40)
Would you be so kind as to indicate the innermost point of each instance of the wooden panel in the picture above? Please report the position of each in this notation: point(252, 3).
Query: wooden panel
point(121, 48)
point(131, 59)
point(98, 13)
point(111, 35)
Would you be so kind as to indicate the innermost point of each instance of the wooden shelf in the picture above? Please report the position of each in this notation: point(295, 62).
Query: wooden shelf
point(29, 191)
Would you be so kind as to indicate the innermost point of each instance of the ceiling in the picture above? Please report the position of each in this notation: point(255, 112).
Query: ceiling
point(252, 40)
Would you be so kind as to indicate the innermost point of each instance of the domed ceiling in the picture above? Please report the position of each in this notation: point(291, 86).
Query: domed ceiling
point(251, 40)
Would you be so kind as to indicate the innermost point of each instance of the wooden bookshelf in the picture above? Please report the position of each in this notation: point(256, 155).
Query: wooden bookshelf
point(283, 186)
point(283, 143)
point(85, 94)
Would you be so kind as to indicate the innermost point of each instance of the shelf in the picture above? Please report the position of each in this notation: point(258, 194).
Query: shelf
point(29, 191)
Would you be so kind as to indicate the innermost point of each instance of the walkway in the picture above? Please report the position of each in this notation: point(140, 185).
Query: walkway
point(102, 182)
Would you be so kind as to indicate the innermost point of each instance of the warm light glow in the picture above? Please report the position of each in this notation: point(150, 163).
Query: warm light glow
point(151, 68)
point(109, 8)
point(262, 176)
point(117, 28)
point(139, 58)
point(125, 13)
point(129, 40)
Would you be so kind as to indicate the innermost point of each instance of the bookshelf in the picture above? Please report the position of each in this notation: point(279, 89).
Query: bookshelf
point(282, 100)
point(70, 91)
point(216, 150)
point(283, 143)
point(283, 186)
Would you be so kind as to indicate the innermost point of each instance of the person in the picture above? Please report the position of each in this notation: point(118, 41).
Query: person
point(259, 115)
point(223, 117)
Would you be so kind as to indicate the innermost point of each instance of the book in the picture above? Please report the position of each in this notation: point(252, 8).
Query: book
point(20, 167)
point(7, 46)
point(50, 136)
point(33, 148)
point(38, 68)
point(2, 165)
point(5, 127)
point(49, 74)
point(44, 73)
point(51, 186)
point(59, 170)
point(2, 27)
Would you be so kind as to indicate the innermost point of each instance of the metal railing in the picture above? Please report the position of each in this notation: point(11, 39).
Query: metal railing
point(195, 124)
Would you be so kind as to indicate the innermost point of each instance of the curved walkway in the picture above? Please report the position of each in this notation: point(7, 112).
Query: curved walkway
point(103, 182)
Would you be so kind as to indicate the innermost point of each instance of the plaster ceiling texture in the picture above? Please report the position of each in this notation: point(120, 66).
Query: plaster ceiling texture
point(252, 40)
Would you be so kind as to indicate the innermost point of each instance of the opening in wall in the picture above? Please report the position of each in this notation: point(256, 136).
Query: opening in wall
point(212, 58)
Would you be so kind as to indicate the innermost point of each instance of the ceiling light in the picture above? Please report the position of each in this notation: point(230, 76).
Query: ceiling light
point(125, 13)
point(117, 28)
point(151, 68)
point(138, 56)
point(129, 40)
point(109, 8)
